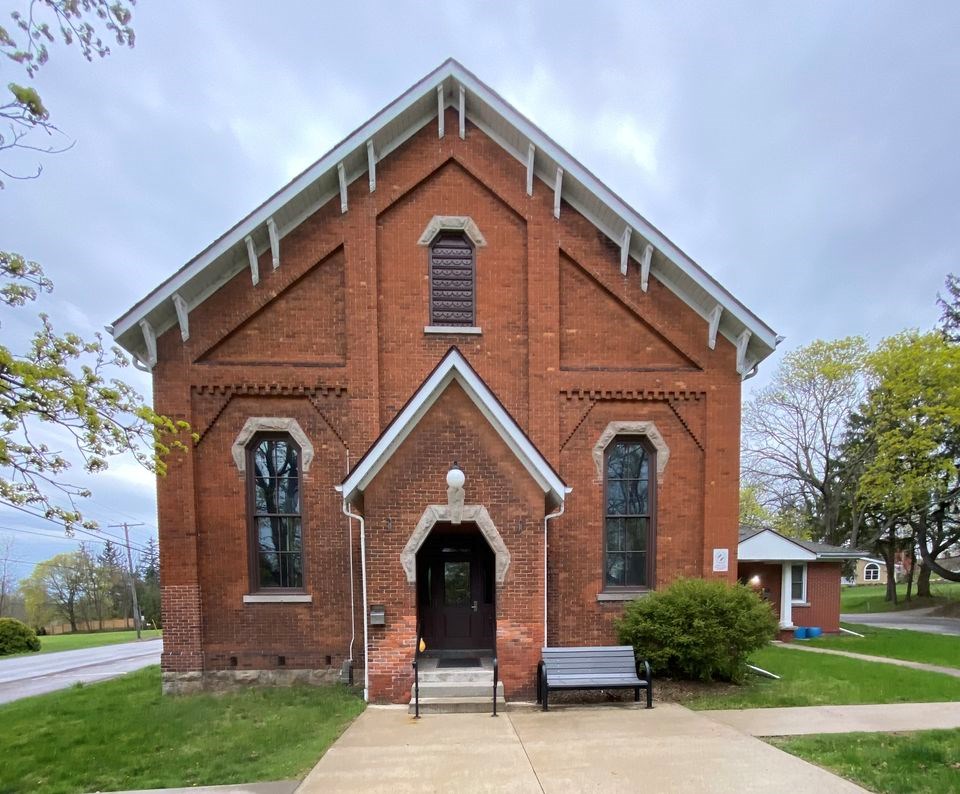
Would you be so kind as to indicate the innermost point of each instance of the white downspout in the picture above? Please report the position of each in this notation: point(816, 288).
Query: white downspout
point(353, 608)
point(547, 518)
point(363, 578)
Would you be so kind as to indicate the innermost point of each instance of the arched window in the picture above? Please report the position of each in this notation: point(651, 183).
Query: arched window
point(452, 280)
point(871, 572)
point(276, 518)
point(629, 486)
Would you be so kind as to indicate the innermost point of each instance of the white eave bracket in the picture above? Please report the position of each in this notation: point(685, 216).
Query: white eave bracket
point(150, 340)
point(714, 320)
point(342, 178)
point(440, 110)
point(742, 341)
point(531, 155)
point(254, 261)
point(645, 267)
point(557, 189)
point(625, 250)
point(274, 242)
point(463, 113)
point(372, 165)
point(183, 315)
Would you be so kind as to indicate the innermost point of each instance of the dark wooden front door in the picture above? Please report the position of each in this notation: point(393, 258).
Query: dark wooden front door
point(455, 590)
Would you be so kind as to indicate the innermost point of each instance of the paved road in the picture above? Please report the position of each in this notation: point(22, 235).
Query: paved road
point(913, 619)
point(34, 675)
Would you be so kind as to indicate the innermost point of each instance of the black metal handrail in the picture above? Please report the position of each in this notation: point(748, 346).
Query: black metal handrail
point(416, 674)
point(496, 677)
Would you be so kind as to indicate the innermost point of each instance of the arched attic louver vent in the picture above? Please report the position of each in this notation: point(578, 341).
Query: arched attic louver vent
point(452, 280)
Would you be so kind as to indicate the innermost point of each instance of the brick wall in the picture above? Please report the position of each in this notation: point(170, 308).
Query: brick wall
point(823, 592)
point(334, 338)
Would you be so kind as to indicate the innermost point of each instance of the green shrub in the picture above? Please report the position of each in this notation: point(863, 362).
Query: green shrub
point(17, 637)
point(698, 629)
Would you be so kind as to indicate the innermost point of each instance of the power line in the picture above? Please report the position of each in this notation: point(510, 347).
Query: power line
point(51, 536)
point(72, 528)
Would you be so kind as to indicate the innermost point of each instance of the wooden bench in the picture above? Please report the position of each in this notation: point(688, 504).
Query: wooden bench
point(612, 667)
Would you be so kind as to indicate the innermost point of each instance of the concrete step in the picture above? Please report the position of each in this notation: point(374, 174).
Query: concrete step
point(457, 705)
point(457, 676)
point(448, 689)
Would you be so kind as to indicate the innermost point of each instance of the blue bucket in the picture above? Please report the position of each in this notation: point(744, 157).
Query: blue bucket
point(813, 632)
point(799, 633)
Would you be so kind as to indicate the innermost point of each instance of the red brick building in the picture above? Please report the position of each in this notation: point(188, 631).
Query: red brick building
point(447, 295)
point(800, 578)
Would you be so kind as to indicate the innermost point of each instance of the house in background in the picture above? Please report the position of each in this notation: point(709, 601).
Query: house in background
point(801, 579)
point(447, 386)
point(869, 570)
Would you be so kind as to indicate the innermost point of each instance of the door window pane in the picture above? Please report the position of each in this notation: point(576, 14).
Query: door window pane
point(456, 583)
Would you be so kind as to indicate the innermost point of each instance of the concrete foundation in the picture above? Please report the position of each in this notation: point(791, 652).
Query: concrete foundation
point(190, 683)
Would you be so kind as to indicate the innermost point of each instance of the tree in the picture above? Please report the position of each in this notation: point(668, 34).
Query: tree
point(114, 572)
point(752, 511)
point(97, 587)
point(794, 428)
point(7, 581)
point(911, 422)
point(149, 580)
point(83, 22)
point(56, 588)
point(950, 308)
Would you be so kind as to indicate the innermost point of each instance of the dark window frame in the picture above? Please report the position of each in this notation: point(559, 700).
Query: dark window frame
point(253, 538)
point(651, 515)
point(442, 235)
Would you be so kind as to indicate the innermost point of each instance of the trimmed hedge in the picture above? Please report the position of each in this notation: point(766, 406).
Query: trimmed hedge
point(17, 637)
point(698, 630)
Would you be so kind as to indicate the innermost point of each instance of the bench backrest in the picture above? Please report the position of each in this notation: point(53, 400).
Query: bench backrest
point(605, 659)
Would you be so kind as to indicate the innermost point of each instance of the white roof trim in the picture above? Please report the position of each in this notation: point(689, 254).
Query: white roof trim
point(768, 545)
point(414, 108)
point(453, 367)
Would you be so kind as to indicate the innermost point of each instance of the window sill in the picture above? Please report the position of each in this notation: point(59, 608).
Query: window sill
point(278, 598)
point(625, 595)
point(452, 329)
point(800, 603)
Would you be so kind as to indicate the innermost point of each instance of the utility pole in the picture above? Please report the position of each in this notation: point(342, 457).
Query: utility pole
point(133, 584)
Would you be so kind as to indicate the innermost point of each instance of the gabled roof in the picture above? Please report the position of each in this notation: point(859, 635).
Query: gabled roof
point(764, 543)
point(450, 85)
point(454, 367)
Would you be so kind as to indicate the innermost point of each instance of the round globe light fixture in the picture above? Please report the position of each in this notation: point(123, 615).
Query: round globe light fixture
point(455, 477)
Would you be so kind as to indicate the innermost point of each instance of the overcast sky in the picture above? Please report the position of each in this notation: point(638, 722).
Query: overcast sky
point(804, 153)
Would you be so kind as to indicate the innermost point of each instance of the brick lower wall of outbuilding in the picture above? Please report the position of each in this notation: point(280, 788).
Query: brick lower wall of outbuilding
point(823, 593)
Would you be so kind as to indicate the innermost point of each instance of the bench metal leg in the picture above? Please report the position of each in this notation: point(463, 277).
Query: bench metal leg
point(546, 697)
point(649, 694)
point(636, 694)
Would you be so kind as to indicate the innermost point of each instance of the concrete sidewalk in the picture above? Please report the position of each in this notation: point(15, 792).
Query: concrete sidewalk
point(608, 748)
point(930, 668)
point(804, 720)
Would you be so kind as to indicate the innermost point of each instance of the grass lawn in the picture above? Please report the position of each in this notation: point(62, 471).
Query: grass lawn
point(71, 642)
point(811, 679)
point(899, 763)
point(869, 598)
point(123, 734)
point(52, 643)
point(915, 646)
